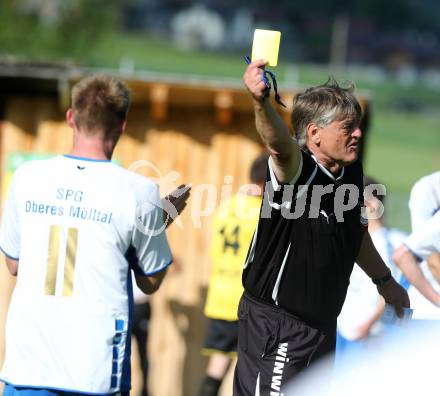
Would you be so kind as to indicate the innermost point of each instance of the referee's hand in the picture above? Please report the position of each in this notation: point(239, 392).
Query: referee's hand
point(253, 79)
point(395, 295)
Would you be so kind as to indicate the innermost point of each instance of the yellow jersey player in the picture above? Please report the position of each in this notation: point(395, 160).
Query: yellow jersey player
point(233, 227)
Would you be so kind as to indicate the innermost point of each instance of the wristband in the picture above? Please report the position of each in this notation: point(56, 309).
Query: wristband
point(383, 280)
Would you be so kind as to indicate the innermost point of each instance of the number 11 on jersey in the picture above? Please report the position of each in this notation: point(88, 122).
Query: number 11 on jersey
point(68, 260)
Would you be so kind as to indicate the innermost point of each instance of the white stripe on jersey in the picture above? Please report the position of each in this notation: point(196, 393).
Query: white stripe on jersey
point(280, 274)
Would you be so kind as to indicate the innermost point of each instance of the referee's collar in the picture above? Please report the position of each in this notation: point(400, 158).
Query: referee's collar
point(327, 172)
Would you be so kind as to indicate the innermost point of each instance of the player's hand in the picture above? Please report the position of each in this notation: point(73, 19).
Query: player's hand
point(395, 295)
point(175, 202)
point(362, 331)
point(253, 79)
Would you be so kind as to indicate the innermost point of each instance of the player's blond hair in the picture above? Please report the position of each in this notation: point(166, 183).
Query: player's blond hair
point(100, 104)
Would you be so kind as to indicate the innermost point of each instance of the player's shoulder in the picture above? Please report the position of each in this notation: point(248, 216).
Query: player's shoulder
point(240, 206)
point(36, 166)
point(135, 182)
point(247, 201)
point(226, 209)
point(433, 178)
point(431, 181)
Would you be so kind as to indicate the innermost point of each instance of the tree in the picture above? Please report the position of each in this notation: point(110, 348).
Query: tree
point(69, 30)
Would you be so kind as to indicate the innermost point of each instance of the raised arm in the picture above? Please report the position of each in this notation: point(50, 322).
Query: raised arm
point(282, 147)
point(372, 264)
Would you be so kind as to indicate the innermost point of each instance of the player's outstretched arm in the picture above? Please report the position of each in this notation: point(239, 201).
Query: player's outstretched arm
point(150, 284)
point(373, 265)
point(173, 205)
point(407, 263)
point(282, 147)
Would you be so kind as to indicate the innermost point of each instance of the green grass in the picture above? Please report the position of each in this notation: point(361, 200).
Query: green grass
point(401, 148)
point(147, 53)
point(161, 56)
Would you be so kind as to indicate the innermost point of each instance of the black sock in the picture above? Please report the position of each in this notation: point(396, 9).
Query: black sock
point(210, 386)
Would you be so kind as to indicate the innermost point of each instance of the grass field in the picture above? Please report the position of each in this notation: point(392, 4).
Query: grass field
point(402, 147)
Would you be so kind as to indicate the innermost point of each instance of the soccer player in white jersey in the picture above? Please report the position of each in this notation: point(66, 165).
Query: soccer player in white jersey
point(68, 226)
point(424, 200)
point(423, 272)
point(420, 245)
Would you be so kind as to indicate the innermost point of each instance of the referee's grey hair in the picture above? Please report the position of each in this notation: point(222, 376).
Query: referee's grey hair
point(323, 105)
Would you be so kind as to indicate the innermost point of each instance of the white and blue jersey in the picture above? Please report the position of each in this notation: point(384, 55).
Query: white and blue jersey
point(422, 243)
point(425, 241)
point(424, 201)
point(71, 222)
point(362, 297)
point(424, 204)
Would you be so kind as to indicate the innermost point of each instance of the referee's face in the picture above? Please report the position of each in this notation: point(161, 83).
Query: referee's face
point(340, 141)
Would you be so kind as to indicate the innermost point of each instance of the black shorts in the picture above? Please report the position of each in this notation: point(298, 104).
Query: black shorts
point(274, 346)
point(222, 337)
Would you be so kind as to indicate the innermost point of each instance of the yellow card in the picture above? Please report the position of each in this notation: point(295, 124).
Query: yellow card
point(266, 45)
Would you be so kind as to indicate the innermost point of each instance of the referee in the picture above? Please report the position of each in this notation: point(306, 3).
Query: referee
point(308, 237)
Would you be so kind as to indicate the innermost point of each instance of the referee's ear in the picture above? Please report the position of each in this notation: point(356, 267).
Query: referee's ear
point(313, 133)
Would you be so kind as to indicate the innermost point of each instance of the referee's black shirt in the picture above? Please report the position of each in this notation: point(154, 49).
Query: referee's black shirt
point(303, 265)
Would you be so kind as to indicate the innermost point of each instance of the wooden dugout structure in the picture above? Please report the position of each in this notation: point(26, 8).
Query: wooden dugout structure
point(183, 130)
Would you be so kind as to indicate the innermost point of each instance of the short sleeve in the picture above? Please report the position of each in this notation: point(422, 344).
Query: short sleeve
point(280, 193)
point(10, 225)
point(273, 178)
point(425, 241)
point(149, 238)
